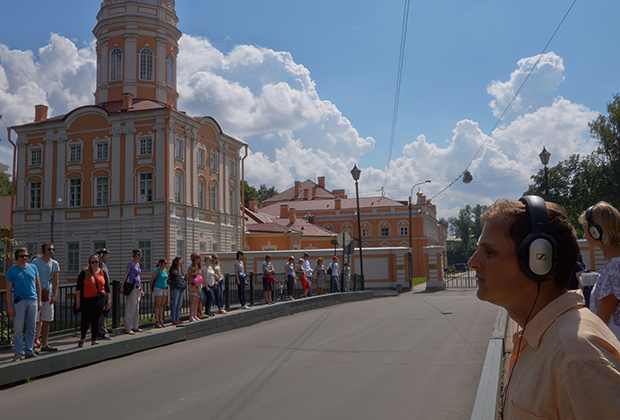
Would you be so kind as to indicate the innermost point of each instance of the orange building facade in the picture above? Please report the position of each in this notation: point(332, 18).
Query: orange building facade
point(131, 171)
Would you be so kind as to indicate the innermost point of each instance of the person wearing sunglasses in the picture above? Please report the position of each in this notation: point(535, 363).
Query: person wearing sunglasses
point(48, 274)
point(23, 304)
point(91, 282)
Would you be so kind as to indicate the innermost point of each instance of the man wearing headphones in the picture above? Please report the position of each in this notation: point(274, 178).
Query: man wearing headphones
point(565, 362)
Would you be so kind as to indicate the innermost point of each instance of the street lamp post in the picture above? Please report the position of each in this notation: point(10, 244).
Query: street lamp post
point(411, 230)
point(544, 158)
point(355, 173)
point(58, 201)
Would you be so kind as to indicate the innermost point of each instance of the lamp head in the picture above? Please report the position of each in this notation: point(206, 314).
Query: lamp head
point(355, 172)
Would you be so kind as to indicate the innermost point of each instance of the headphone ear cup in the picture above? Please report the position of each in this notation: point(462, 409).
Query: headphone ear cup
point(595, 231)
point(537, 257)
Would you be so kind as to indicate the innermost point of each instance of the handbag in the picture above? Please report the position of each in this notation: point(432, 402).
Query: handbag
point(128, 287)
point(271, 278)
point(45, 295)
point(329, 270)
point(197, 280)
point(102, 299)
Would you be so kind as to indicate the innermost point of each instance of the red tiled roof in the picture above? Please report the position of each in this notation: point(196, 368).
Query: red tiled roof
point(289, 195)
point(347, 203)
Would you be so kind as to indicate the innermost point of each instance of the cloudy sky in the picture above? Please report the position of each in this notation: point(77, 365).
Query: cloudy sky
point(310, 86)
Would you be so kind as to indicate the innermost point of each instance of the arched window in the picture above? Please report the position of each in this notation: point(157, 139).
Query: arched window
point(116, 65)
point(170, 70)
point(146, 64)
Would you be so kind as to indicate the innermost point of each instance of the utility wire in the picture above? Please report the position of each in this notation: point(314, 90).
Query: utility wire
point(399, 76)
point(488, 136)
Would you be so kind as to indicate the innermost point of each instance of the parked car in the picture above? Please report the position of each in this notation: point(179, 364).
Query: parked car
point(460, 267)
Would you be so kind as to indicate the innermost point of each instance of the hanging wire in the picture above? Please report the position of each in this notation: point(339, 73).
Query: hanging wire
point(399, 76)
point(488, 136)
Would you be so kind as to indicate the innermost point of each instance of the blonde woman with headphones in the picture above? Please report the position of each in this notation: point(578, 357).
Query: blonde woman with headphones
point(601, 225)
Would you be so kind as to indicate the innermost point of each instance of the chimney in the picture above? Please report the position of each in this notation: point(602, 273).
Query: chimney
point(283, 211)
point(253, 206)
point(313, 193)
point(339, 193)
point(292, 216)
point(306, 194)
point(322, 181)
point(338, 203)
point(297, 188)
point(311, 218)
point(127, 101)
point(40, 113)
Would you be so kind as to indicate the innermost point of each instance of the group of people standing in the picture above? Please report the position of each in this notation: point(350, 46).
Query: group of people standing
point(304, 272)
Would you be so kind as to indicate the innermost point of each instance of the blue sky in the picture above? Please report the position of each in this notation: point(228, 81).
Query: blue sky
point(310, 85)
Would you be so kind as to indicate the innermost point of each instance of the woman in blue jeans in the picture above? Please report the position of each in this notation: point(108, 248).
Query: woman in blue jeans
point(219, 284)
point(177, 289)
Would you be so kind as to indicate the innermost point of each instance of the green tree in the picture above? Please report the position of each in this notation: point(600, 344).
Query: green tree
point(249, 193)
point(6, 186)
point(467, 227)
point(264, 193)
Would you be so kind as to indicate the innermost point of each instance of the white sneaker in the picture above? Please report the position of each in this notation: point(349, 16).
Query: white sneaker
point(245, 307)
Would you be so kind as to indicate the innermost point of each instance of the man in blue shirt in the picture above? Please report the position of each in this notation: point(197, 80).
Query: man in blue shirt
point(48, 275)
point(24, 302)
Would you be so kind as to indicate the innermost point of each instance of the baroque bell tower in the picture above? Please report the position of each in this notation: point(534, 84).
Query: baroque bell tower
point(137, 49)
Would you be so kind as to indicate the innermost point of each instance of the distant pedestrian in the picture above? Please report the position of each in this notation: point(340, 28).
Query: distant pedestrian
point(319, 275)
point(334, 271)
point(219, 284)
point(346, 277)
point(92, 290)
point(23, 303)
point(132, 299)
point(104, 254)
point(208, 274)
point(177, 289)
point(159, 289)
point(194, 286)
point(268, 279)
point(290, 277)
point(303, 279)
point(241, 280)
point(48, 275)
point(308, 271)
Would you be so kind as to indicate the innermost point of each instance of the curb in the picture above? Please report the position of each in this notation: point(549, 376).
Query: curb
point(16, 372)
point(486, 403)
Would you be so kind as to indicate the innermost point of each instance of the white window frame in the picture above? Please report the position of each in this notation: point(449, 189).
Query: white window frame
point(75, 192)
point(214, 161)
point(201, 194)
point(102, 150)
point(178, 188)
point(181, 249)
point(73, 257)
point(232, 168)
point(146, 261)
point(232, 202)
point(385, 229)
point(147, 67)
point(213, 191)
point(116, 65)
point(202, 158)
point(36, 157)
point(145, 146)
point(179, 149)
point(101, 191)
point(145, 187)
point(403, 230)
point(34, 196)
point(75, 153)
point(99, 244)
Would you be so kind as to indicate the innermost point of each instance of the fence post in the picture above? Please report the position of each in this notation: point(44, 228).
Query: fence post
point(116, 304)
point(252, 289)
point(227, 291)
point(362, 283)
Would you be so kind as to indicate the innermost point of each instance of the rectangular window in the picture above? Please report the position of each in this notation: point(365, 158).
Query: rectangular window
point(181, 249)
point(75, 192)
point(385, 231)
point(146, 64)
point(101, 150)
point(365, 232)
point(213, 197)
point(146, 147)
point(73, 257)
point(145, 188)
point(170, 70)
point(201, 194)
point(404, 231)
point(36, 157)
point(97, 245)
point(75, 153)
point(179, 153)
point(214, 247)
point(145, 261)
point(214, 161)
point(35, 195)
point(202, 247)
point(101, 188)
point(116, 64)
point(232, 164)
point(231, 202)
point(202, 158)
point(178, 188)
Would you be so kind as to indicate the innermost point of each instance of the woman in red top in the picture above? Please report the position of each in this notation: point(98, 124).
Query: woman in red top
point(90, 283)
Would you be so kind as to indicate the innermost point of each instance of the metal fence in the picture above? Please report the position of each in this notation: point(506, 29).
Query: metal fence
point(65, 321)
point(461, 280)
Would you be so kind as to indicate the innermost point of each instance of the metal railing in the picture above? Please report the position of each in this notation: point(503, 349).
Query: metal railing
point(65, 321)
point(460, 280)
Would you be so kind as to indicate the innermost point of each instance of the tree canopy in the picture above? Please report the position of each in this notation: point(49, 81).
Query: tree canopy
point(263, 193)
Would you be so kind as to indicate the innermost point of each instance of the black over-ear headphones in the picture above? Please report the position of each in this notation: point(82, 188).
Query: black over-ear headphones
point(538, 251)
point(594, 229)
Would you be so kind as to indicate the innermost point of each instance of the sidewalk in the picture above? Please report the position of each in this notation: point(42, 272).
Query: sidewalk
point(69, 356)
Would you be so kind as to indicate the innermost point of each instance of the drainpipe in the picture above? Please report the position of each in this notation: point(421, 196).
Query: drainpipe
point(14, 186)
point(243, 198)
point(166, 201)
